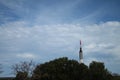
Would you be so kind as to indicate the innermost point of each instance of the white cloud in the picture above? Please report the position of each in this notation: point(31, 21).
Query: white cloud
point(100, 36)
point(26, 55)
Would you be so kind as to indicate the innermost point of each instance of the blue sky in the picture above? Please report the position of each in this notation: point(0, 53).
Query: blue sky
point(43, 30)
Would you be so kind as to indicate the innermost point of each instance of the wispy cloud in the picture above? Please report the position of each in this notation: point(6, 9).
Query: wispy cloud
point(18, 36)
point(57, 12)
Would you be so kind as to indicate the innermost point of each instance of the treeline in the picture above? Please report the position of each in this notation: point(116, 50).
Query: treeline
point(65, 69)
point(6, 78)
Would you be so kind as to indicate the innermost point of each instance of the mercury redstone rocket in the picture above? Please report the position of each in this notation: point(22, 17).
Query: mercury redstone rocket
point(80, 53)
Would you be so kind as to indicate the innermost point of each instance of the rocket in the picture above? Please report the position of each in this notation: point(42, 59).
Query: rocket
point(80, 53)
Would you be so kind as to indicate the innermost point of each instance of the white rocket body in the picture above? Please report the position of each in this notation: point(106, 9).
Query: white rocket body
point(81, 54)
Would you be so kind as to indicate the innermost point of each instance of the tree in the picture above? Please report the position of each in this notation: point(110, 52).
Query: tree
point(60, 69)
point(21, 76)
point(23, 67)
point(98, 71)
point(83, 72)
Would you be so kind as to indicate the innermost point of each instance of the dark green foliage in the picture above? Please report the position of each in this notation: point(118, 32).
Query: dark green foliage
point(116, 78)
point(21, 76)
point(98, 71)
point(64, 69)
point(61, 69)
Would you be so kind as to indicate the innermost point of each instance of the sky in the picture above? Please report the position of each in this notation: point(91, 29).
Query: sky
point(43, 30)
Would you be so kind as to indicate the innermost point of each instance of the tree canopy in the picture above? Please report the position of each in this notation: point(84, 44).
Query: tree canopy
point(23, 70)
point(98, 71)
point(65, 69)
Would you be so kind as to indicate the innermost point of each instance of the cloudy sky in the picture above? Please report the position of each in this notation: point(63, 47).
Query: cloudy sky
point(42, 30)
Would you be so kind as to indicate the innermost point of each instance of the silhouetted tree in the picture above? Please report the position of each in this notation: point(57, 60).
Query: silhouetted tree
point(21, 76)
point(98, 71)
point(83, 72)
point(23, 67)
point(60, 69)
